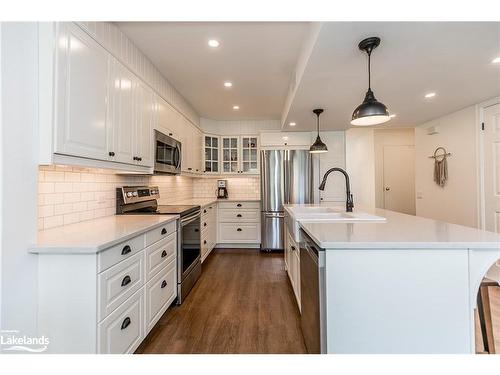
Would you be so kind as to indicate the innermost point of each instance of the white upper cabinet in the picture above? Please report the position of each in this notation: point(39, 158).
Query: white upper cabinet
point(145, 107)
point(239, 154)
point(211, 156)
point(121, 120)
point(169, 121)
point(81, 95)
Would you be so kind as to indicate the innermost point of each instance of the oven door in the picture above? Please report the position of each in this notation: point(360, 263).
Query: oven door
point(190, 245)
point(167, 154)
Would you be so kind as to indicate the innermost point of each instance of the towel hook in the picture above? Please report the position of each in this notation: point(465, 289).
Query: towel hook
point(442, 156)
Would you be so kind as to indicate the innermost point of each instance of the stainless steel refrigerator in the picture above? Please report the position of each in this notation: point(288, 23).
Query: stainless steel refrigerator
point(285, 177)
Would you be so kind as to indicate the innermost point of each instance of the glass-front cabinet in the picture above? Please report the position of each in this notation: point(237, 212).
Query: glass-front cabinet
point(231, 154)
point(249, 159)
point(211, 154)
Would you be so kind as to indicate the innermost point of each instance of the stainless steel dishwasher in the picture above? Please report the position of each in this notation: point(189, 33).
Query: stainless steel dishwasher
point(312, 289)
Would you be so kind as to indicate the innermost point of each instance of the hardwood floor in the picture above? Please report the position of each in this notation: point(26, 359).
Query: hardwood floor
point(243, 303)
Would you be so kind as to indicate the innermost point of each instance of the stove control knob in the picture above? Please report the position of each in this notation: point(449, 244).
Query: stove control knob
point(153, 192)
point(134, 193)
point(129, 194)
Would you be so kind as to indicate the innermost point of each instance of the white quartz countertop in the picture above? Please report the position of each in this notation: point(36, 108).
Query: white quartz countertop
point(206, 201)
point(397, 232)
point(96, 235)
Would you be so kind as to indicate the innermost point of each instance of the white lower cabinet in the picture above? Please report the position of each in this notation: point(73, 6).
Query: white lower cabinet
point(208, 228)
point(292, 264)
point(239, 222)
point(160, 293)
point(107, 302)
point(123, 330)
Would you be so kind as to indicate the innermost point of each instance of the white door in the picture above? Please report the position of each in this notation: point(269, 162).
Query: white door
point(82, 93)
point(143, 122)
point(491, 157)
point(121, 124)
point(399, 179)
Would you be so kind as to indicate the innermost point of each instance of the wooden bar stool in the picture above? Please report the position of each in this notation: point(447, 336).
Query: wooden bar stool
point(484, 313)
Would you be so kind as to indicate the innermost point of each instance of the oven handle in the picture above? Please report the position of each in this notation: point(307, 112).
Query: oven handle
point(188, 219)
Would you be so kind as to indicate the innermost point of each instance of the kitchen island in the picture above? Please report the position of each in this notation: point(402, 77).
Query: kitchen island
point(403, 285)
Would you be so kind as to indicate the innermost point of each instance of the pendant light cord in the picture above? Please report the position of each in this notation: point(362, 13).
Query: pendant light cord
point(318, 123)
point(369, 51)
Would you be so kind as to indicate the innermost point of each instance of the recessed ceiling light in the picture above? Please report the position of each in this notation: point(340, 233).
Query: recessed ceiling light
point(236, 107)
point(430, 95)
point(393, 115)
point(213, 43)
point(228, 84)
point(292, 124)
point(496, 60)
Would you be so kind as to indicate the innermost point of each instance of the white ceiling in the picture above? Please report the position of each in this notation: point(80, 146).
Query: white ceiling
point(451, 59)
point(257, 57)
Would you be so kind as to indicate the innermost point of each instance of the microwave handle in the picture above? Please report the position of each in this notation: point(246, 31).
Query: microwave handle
point(178, 154)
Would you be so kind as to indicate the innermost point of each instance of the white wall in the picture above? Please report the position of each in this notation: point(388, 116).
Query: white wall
point(388, 137)
point(19, 176)
point(457, 201)
point(360, 165)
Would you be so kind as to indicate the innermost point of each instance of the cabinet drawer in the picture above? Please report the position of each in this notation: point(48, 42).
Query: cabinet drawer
point(119, 282)
point(159, 254)
point(123, 330)
point(160, 292)
point(208, 210)
point(239, 205)
point(239, 233)
point(237, 216)
point(116, 254)
point(161, 232)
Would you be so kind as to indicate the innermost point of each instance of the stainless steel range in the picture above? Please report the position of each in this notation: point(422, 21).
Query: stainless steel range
point(142, 200)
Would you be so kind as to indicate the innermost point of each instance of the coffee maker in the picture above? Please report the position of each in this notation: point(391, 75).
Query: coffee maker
point(221, 189)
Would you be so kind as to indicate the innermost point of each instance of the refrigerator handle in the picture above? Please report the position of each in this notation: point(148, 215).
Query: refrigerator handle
point(263, 180)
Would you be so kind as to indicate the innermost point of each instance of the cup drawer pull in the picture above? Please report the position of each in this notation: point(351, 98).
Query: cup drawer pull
point(238, 205)
point(126, 322)
point(239, 215)
point(163, 231)
point(126, 249)
point(163, 284)
point(163, 254)
point(126, 280)
point(239, 229)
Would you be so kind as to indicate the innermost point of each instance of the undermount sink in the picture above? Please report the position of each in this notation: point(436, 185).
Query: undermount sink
point(313, 214)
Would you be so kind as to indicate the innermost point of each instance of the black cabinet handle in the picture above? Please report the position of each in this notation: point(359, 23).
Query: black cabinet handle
point(196, 230)
point(135, 158)
point(239, 215)
point(111, 153)
point(163, 254)
point(126, 280)
point(293, 248)
point(238, 205)
point(204, 211)
point(163, 231)
point(170, 134)
point(190, 169)
point(204, 242)
point(204, 224)
point(239, 229)
point(163, 284)
point(126, 322)
point(126, 249)
point(139, 158)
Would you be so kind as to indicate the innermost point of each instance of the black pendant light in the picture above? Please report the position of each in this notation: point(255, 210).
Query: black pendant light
point(371, 111)
point(318, 146)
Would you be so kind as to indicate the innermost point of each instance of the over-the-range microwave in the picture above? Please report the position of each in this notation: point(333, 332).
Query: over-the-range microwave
point(168, 154)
